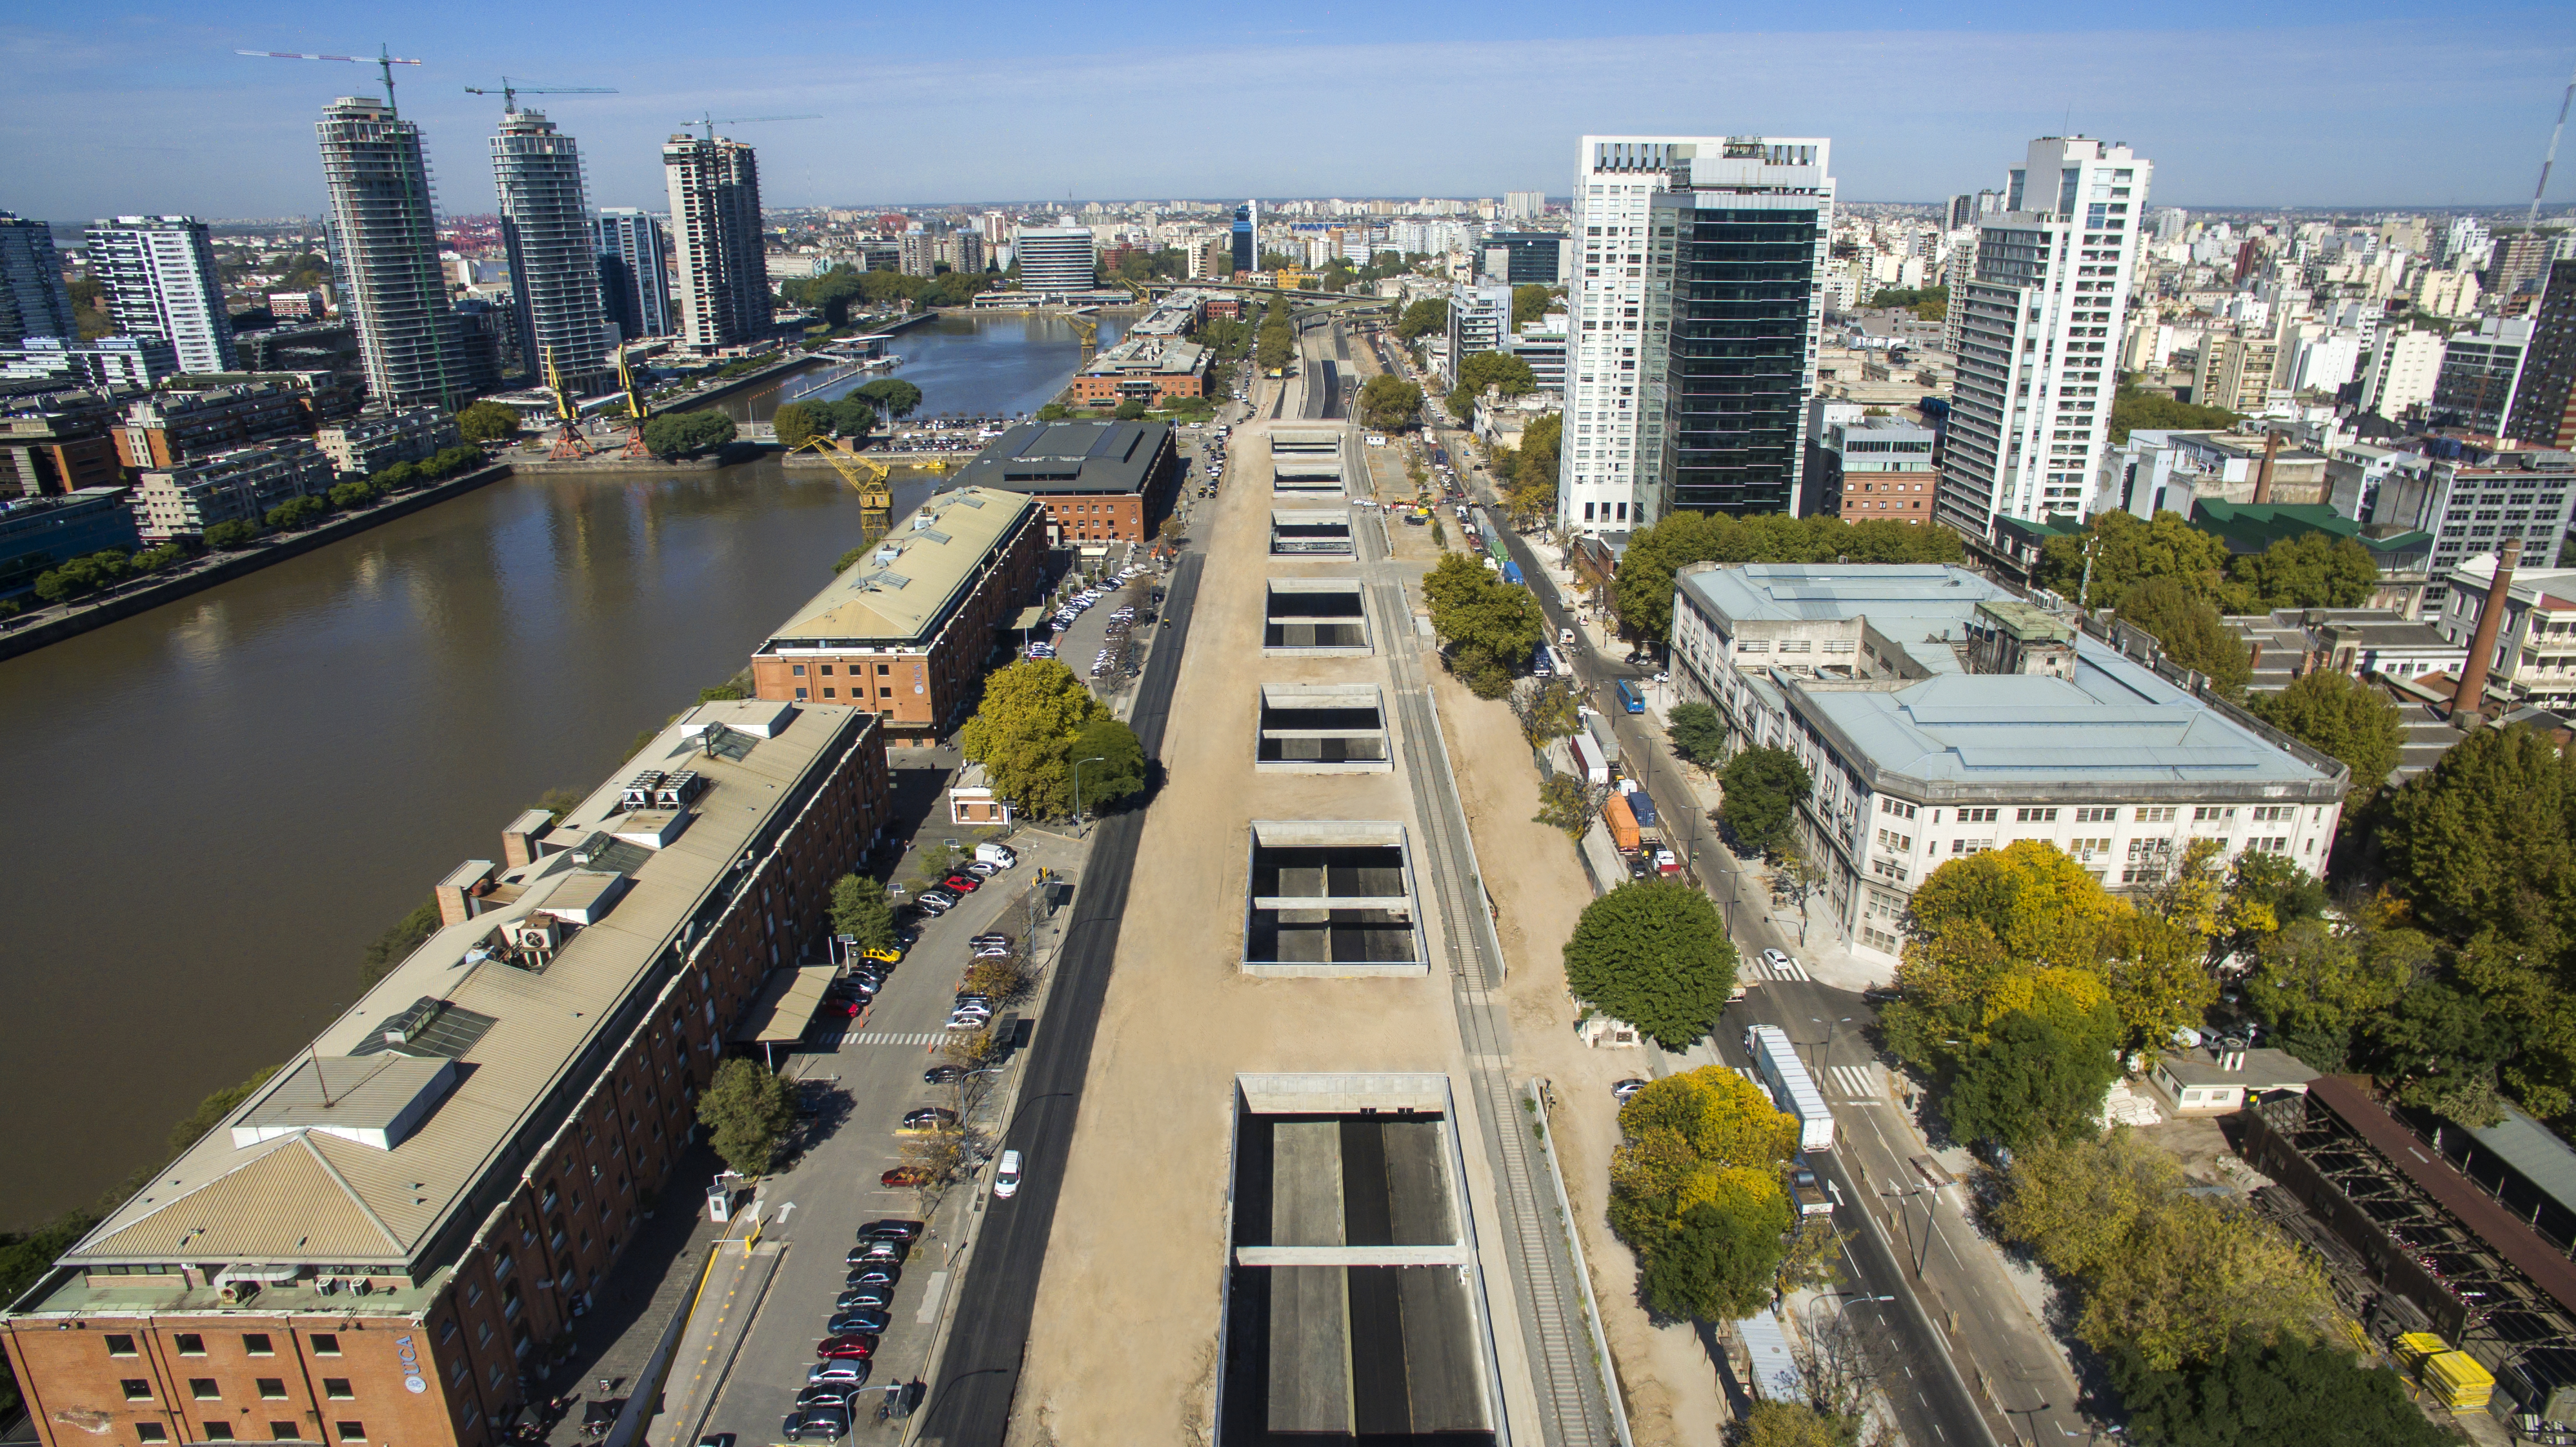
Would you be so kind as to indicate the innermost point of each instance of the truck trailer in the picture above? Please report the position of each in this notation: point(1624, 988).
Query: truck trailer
point(1791, 1088)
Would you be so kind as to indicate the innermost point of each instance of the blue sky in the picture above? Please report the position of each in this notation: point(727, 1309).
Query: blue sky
point(119, 106)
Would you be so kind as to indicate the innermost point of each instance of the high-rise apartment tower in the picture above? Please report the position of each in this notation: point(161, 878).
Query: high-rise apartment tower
point(2544, 410)
point(158, 275)
point(385, 249)
point(1246, 236)
point(554, 263)
point(634, 271)
point(34, 300)
point(2038, 326)
point(1694, 313)
point(715, 241)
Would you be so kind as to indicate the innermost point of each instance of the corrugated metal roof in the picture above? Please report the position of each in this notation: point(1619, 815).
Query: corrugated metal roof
point(903, 599)
point(2531, 1149)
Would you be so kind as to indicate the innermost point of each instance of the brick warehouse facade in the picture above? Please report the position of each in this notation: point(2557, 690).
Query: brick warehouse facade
point(913, 650)
point(1100, 482)
point(420, 1311)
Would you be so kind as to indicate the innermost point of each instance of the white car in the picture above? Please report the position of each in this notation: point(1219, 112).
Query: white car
point(1006, 1181)
point(1775, 959)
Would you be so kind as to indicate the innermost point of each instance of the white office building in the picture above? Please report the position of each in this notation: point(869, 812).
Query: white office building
point(2038, 327)
point(2399, 371)
point(1939, 716)
point(159, 278)
point(1056, 259)
point(1479, 316)
point(1652, 424)
point(554, 260)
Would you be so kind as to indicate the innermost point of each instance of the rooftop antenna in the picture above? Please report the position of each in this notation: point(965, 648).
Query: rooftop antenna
point(510, 93)
point(384, 60)
point(713, 121)
point(2532, 221)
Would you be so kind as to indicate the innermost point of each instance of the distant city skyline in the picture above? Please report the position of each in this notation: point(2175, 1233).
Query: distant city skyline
point(130, 112)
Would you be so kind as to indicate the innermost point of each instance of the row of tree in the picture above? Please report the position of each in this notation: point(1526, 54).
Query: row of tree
point(1488, 628)
point(1389, 403)
point(852, 417)
point(2118, 553)
point(1526, 476)
point(1275, 342)
point(1035, 722)
point(1422, 318)
point(832, 294)
point(686, 434)
point(1643, 587)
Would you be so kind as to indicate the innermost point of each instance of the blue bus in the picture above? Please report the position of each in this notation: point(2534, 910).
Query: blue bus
point(1629, 698)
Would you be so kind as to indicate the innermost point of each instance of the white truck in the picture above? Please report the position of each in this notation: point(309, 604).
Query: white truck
point(1791, 1088)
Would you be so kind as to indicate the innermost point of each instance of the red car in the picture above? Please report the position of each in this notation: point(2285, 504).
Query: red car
point(852, 1347)
point(905, 1177)
point(962, 883)
point(844, 1007)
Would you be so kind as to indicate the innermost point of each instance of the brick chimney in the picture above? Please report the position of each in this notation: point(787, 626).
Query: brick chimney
point(2471, 693)
point(2263, 475)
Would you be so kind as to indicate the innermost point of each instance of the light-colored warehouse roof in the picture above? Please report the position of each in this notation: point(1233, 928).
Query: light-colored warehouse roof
point(909, 583)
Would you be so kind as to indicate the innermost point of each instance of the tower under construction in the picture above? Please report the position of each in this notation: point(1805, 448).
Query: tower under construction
point(385, 248)
point(554, 267)
point(715, 241)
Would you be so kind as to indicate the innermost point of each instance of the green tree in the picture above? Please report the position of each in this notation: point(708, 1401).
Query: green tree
point(681, 434)
point(1696, 1192)
point(1479, 370)
point(1130, 410)
point(2127, 552)
point(1643, 587)
point(1022, 732)
point(2337, 714)
point(2034, 1080)
point(487, 422)
point(748, 1110)
point(83, 575)
point(1389, 402)
point(1274, 346)
point(1698, 732)
point(1566, 802)
point(2131, 408)
point(226, 536)
point(1431, 314)
point(1763, 786)
point(2312, 570)
point(859, 910)
point(398, 941)
point(1551, 710)
point(1479, 615)
point(1121, 770)
point(2288, 1393)
point(351, 494)
point(2191, 633)
point(795, 424)
point(1531, 302)
point(2316, 984)
point(1656, 955)
point(295, 513)
point(1716, 1265)
point(1054, 412)
point(891, 396)
point(1531, 483)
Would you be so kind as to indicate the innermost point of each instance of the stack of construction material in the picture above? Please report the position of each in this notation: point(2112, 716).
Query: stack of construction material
point(2457, 1381)
point(2415, 1346)
point(2123, 1106)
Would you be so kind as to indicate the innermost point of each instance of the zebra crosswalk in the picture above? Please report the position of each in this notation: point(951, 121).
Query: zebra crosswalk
point(876, 1037)
point(1856, 1082)
point(1758, 968)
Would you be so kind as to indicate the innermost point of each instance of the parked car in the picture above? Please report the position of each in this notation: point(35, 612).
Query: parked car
point(882, 954)
point(962, 883)
point(927, 1120)
point(936, 902)
point(875, 1273)
point(892, 1228)
point(968, 1020)
point(863, 1296)
point(864, 1319)
point(1882, 994)
point(979, 941)
point(829, 1394)
point(942, 1075)
point(1626, 1088)
point(816, 1424)
point(846, 1348)
point(1006, 1181)
point(982, 870)
point(903, 1178)
point(840, 1371)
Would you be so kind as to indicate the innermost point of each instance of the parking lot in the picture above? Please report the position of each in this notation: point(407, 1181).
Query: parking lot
point(859, 1080)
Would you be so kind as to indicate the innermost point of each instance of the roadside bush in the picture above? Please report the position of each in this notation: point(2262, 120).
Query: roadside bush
point(296, 513)
point(228, 536)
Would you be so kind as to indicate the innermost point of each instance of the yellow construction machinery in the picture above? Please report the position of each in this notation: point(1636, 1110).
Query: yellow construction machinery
point(637, 409)
point(1088, 328)
point(876, 502)
point(569, 445)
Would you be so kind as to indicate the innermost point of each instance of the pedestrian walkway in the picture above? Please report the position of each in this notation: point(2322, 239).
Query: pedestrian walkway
point(1760, 970)
point(1856, 1082)
point(877, 1037)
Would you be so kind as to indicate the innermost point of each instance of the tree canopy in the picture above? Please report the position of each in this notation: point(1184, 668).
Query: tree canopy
point(748, 1110)
point(1643, 586)
point(859, 910)
point(891, 396)
point(2337, 714)
point(487, 422)
point(1696, 1192)
point(1431, 314)
point(679, 434)
point(1698, 732)
point(2311, 570)
point(1508, 374)
point(1389, 402)
point(2288, 1393)
point(1120, 770)
point(1487, 627)
point(1763, 786)
point(1528, 477)
point(1656, 955)
point(2131, 408)
point(2191, 633)
point(1023, 734)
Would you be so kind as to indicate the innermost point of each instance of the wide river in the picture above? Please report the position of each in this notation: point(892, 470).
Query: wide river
point(222, 801)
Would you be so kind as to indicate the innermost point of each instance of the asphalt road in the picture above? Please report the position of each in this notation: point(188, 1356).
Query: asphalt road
point(971, 1402)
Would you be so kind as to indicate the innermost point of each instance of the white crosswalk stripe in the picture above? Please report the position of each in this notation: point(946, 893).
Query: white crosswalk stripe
point(1854, 1081)
point(875, 1037)
point(1758, 968)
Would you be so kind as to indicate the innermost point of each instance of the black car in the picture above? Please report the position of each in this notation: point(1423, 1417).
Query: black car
point(864, 1297)
point(891, 1229)
point(883, 1250)
point(1882, 994)
point(942, 1075)
point(865, 1320)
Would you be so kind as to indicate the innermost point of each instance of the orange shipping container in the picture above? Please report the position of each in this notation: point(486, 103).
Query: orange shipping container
point(1622, 822)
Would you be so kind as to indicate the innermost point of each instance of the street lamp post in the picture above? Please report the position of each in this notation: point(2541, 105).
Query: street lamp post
point(1825, 1053)
point(1077, 787)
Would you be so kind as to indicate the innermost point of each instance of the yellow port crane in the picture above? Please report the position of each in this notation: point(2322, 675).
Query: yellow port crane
point(569, 446)
point(1088, 328)
point(637, 409)
point(876, 501)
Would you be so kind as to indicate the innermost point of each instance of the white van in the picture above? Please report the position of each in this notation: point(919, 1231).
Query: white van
point(1006, 1181)
point(997, 855)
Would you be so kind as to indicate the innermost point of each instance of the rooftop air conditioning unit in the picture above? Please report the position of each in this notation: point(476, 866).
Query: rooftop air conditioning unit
point(677, 790)
point(921, 522)
point(236, 1292)
point(534, 933)
point(639, 790)
point(888, 554)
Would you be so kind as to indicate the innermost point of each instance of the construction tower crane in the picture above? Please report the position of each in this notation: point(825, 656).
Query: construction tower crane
point(569, 445)
point(713, 121)
point(510, 93)
point(383, 59)
point(876, 501)
point(2532, 221)
point(637, 409)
